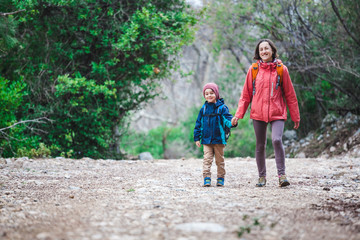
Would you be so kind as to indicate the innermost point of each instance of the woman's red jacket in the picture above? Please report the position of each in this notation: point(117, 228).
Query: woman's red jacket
point(268, 103)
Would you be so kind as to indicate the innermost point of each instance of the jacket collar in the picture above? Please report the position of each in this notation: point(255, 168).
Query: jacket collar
point(218, 103)
point(269, 64)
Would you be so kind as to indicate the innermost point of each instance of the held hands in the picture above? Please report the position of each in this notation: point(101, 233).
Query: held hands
point(296, 125)
point(234, 121)
point(198, 143)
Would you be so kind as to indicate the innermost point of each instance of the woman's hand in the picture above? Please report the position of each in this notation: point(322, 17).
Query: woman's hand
point(234, 121)
point(198, 143)
point(296, 125)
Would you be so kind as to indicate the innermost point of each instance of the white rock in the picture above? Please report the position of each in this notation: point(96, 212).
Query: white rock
point(332, 149)
point(201, 227)
point(300, 155)
point(19, 163)
point(290, 134)
point(8, 161)
point(44, 236)
point(145, 156)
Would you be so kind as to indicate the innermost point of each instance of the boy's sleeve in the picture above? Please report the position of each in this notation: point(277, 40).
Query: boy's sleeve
point(227, 116)
point(197, 129)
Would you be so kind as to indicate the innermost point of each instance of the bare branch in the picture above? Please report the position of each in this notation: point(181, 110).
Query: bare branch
point(338, 86)
point(306, 25)
point(37, 120)
point(342, 22)
point(11, 13)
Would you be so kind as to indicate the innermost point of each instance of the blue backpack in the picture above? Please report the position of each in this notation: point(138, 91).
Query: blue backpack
point(226, 129)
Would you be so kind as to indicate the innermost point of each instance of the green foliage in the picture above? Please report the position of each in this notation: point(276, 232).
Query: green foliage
point(7, 33)
point(253, 225)
point(86, 64)
point(157, 141)
point(11, 94)
point(41, 152)
point(17, 138)
point(84, 112)
point(247, 228)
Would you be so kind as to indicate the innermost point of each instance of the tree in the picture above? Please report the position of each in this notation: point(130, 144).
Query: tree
point(317, 40)
point(87, 63)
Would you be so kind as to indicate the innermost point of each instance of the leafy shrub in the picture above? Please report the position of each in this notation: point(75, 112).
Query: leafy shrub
point(41, 152)
point(157, 141)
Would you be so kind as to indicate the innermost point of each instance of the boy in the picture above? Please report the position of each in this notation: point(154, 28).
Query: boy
point(209, 129)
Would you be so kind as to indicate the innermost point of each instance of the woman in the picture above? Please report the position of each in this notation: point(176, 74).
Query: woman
point(266, 94)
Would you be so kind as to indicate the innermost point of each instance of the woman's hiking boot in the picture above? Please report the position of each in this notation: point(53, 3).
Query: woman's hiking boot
point(262, 182)
point(283, 182)
point(220, 182)
point(207, 182)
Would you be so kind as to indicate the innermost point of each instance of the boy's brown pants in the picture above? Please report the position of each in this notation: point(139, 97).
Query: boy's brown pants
point(209, 151)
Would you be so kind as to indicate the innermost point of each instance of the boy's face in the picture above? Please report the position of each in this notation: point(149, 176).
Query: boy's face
point(210, 96)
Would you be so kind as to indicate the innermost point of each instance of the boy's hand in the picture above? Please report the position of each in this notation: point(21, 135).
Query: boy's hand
point(198, 143)
point(234, 121)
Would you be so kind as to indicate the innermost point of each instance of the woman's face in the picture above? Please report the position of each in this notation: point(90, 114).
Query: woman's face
point(265, 52)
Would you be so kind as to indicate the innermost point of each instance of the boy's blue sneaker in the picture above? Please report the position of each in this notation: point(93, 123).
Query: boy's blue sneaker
point(207, 182)
point(220, 182)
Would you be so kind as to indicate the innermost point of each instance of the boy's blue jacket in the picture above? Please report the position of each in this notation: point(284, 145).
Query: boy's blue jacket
point(208, 128)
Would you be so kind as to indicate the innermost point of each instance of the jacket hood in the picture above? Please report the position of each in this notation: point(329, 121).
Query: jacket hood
point(270, 64)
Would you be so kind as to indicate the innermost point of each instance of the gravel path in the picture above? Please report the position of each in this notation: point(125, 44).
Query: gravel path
point(163, 199)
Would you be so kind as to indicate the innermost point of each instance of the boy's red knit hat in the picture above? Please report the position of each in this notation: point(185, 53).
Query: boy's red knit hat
point(213, 87)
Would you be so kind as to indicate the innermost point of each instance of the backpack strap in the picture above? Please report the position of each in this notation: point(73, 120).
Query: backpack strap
point(254, 71)
point(218, 109)
point(279, 69)
point(221, 117)
point(212, 114)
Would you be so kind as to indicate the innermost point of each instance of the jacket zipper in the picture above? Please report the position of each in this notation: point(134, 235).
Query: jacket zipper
point(269, 97)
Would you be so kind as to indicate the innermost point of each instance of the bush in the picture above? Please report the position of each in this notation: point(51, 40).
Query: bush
point(161, 142)
point(41, 152)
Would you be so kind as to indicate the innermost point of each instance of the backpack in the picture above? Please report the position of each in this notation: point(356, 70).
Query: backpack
point(226, 129)
point(279, 69)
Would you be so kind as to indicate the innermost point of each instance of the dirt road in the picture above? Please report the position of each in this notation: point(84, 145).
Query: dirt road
point(164, 199)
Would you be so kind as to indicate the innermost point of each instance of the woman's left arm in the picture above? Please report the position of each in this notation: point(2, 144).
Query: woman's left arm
point(290, 96)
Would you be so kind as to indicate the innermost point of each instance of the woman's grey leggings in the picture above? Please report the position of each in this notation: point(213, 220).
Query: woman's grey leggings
point(277, 129)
